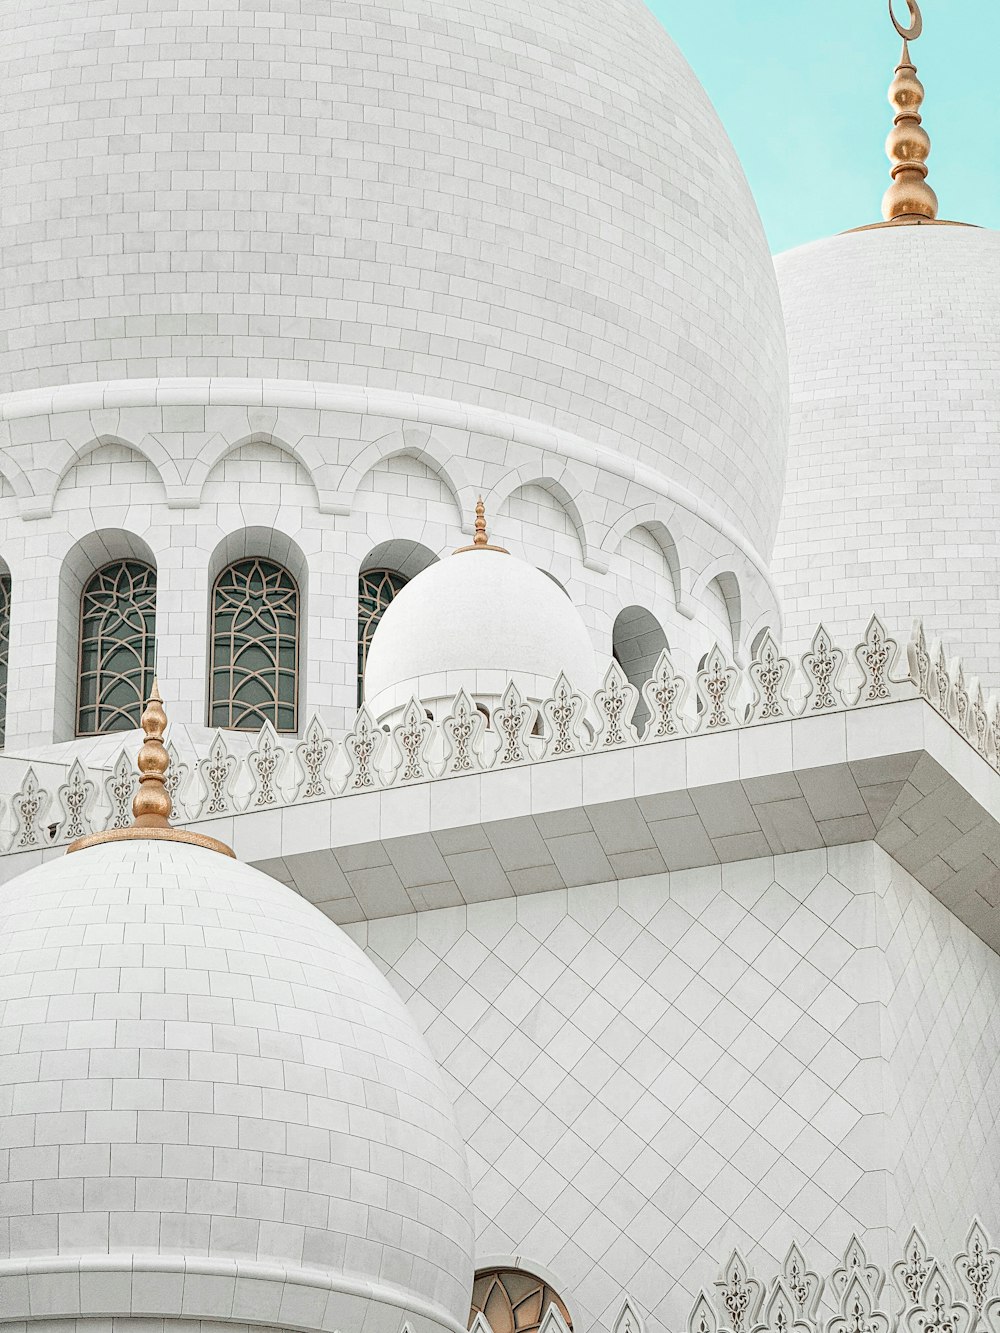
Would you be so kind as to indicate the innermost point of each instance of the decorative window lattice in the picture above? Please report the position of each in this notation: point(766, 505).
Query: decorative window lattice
point(376, 589)
point(513, 1301)
point(117, 647)
point(255, 647)
point(4, 651)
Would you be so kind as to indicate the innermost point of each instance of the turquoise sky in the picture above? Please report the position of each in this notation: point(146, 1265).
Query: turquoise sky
point(801, 87)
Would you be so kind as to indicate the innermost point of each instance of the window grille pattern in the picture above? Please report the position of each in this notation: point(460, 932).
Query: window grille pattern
point(4, 651)
point(117, 647)
point(513, 1301)
point(255, 647)
point(376, 589)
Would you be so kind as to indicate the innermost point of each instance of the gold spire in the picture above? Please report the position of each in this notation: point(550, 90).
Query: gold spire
point(151, 805)
point(481, 540)
point(909, 198)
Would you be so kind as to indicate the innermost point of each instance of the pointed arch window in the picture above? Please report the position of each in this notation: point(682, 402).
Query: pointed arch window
point(513, 1301)
point(117, 647)
point(4, 652)
point(255, 647)
point(376, 589)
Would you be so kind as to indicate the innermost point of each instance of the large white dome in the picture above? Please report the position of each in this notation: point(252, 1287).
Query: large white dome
point(476, 621)
point(893, 495)
point(200, 1073)
point(525, 204)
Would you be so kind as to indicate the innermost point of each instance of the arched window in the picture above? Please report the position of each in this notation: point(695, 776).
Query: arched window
point(117, 647)
point(4, 651)
point(513, 1301)
point(255, 647)
point(376, 589)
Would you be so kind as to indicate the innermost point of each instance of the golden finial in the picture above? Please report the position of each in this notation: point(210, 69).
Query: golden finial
point(481, 540)
point(151, 805)
point(909, 198)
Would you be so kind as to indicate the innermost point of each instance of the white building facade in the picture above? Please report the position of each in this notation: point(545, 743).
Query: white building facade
point(597, 962)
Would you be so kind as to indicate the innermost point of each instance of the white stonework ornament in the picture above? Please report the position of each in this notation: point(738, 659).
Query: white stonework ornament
point(919, 659)
point(513, 721)
point(769, 674)
point(978, 1268)
point(979, 718)
point(75, 799)
point(175, 783)
point(566, 732)
point(266, 764)
point(703, 1318)
point(28, 806)
point(778, 1313)
point(876, 657)
point(665, 694)
point(464, 743)
point(410, 738)
point(313, 756)
point(910, 1273)
point(629, 1319)
point(805, 1286)
point(480, 1324)
point(218, 775)
point(740, 1295)
point(941, 681)
point(960, 702)
point(856, 1265)
point(364, 746)
point(717, 684)
point(119, 789)
point(553, 1322)
point(822, 666)
point(616, 702)
point(858, 1311)
point(938, 1311)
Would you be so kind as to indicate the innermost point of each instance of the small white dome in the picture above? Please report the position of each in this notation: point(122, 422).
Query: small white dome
point(199, 1072)
point(476, 621)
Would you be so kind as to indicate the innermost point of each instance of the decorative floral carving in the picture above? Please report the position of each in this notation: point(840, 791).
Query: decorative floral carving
point(978, 1267)
point(76, 799)
point(979, 720)
point(858, 1313)
point(769, 676)
point(629, 1319)
point(513, 721)
point(804, 1286)
point(942, 681)
point(856, 1265)
point(463, 730)
point(960, 705)
point(119, 789)
point(364, 746)
point(175, 784)
point(910, 1273)
point(703, 1318)
point(665, 694)
point(876, 656)
point(717, 682)
point(28, 805)
point(564, 714)
point(616, 702)
point(822, 667)
point(313, 756)
point(919, 658)
point(410, 736)
point(740, 1295)
point(218, 772)
point(266, 763)
point(938, 1311)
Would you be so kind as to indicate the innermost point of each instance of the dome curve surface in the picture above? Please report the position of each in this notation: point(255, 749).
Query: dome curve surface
point(474, 615)
point(893, 495)
point(199, 1066)
point(529, 205)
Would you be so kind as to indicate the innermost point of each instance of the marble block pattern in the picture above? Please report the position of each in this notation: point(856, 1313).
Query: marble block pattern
point(652, 1072)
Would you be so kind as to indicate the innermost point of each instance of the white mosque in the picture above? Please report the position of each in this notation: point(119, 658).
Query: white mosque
point(566, 897)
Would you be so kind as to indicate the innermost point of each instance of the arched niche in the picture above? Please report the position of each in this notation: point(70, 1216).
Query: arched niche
point(384, 572)
point(92, 553)
point(637, 642)
point(274, 549)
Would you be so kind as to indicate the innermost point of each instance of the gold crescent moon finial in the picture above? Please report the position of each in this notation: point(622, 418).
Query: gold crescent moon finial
point(916, 27)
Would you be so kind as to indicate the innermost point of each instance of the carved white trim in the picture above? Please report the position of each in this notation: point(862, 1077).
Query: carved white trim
point(218, 776)
point(665, 695)
point(364, 746)
point(410, 738)
point(566, 731)
point(616, 702)
point(313, 757)
point(463, 731)
point(76, 799)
